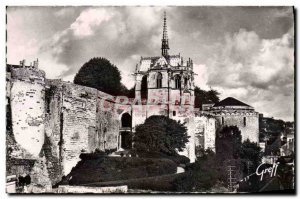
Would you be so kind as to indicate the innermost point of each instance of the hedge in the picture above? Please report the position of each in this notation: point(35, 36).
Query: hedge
point(178, 159)
point(98, 168)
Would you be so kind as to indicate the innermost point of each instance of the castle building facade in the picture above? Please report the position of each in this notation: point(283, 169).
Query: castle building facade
point(53, 122)
point(232, 112)
point(165, 84)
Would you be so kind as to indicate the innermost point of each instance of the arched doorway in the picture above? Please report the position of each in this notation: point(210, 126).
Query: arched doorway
point(126, 120)
point(126, 140)
point(125, 131)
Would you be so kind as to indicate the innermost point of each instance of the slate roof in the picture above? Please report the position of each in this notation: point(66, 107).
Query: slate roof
point(230, 101)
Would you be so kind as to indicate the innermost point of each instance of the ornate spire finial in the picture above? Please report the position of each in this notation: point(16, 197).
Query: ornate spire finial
point(165, 42)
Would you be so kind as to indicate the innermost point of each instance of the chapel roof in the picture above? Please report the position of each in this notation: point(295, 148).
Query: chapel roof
point(230, 101)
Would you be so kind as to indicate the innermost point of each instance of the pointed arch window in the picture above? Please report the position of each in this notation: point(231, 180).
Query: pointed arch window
point(185, 82)
point(177, 82)
point(144, 87)
point(159, 80)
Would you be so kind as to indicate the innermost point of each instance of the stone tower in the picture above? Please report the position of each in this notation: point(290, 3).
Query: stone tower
point(165, 80)
point(27, 98)
point(232, 112)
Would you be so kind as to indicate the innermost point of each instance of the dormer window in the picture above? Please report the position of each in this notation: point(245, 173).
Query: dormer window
point(159, 80)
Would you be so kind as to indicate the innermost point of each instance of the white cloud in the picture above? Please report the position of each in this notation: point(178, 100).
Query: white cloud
point(201, 76)
point(89, 19)
point(257, 71)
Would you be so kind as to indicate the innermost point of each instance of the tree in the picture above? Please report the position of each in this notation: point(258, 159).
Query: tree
point(205, 97)
point(201, 175)
point(228, 143)
point(250, 151)
point(99, 73)
point(160, 134)
point(130, 93)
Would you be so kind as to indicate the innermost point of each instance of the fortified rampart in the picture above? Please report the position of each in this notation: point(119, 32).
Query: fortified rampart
point(77, 121)
point(53, 122)
point(27, 100)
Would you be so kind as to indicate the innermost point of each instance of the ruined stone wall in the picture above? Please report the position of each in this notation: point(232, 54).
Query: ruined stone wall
point(19, 167)
point(53, 108)
point(185, 114)
point(210, 133)
point(78, 122)
point(205, 132)
point(52, 147)
point(249, 131)
point(80, 119)
point(108, 124)
point(189, 150)
point(27, 98)
point(139, 115)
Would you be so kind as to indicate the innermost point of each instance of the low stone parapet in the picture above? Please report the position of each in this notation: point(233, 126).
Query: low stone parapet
point(84, 189)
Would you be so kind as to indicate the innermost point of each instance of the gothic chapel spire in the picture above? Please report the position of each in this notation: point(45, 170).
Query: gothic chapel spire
point(165, 42)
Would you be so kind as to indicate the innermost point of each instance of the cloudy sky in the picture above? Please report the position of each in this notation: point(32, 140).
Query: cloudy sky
point(243, 52)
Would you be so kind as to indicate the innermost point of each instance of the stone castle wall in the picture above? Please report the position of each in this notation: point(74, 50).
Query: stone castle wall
point(79, 123)
point(107, 123)
point(78, 117)
point(27, 99)
point(249, 130)
point(205, 132)
point(54, 122)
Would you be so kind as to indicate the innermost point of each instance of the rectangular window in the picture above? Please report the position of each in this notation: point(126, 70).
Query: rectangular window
point(174, 113)
point(244, 121)
point(222, 120)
